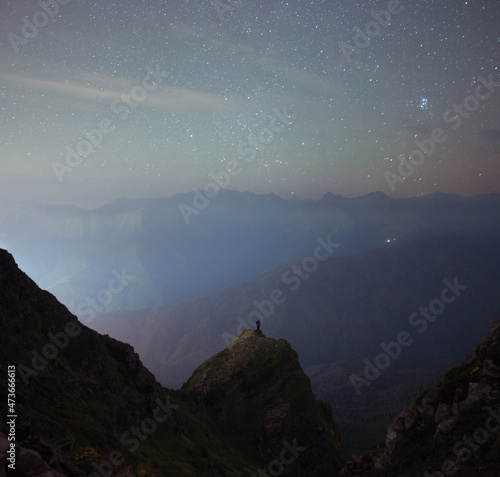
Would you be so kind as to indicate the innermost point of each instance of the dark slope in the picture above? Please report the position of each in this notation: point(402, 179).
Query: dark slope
point(453, 428)
point(83, 400)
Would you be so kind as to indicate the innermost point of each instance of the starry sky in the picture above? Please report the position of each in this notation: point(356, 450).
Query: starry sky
point(102, 100)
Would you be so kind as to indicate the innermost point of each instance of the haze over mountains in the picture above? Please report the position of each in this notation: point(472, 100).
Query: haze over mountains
point(74, 253)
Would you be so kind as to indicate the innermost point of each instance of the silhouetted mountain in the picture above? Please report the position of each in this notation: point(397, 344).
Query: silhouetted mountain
point(84, 403)
point(451, 429)
point(337, 317)
point(234, 238)
point(257, 390)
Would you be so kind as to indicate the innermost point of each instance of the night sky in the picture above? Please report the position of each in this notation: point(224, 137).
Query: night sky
point(101, 100)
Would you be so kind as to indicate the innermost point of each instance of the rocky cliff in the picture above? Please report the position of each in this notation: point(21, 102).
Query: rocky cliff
point(451, 429)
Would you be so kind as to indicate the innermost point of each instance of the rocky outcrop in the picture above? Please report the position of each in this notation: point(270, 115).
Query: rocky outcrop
point(257, 384)
point(452, 428)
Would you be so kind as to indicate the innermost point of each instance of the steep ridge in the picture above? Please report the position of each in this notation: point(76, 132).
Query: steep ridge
point(451, 429)
point(85, 405)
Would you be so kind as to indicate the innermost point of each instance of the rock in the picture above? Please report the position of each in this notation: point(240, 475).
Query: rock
point(491, 369)
point(445, 426)
point(431, 397)
point(443, 412)
point(394, 435)
point(473, 388)
point(483, 388)
point(30, 462)
point(425, 410)
point(410, 418)
point(4, 443)
point(398, 423)
point(471, 401)
point(269, 368)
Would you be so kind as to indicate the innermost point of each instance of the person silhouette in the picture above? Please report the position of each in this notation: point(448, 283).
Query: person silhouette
point(258, 324)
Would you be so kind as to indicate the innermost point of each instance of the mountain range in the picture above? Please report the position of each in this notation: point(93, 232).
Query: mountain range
point(75, 253)
point(345, 281)
point(339, 278)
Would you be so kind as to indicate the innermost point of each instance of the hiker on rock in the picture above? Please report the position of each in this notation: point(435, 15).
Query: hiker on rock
point(258, 324)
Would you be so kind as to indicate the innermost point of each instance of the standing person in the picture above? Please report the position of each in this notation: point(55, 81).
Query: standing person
point(258, 324)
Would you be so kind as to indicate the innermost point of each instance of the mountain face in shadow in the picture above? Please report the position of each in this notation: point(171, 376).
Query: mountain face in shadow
point(159, 259)
point(85, 405)
point(258, 391)
point(451, 429)
point(340, 318)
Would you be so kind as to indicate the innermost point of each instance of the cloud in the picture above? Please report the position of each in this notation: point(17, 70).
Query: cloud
point(168, 98)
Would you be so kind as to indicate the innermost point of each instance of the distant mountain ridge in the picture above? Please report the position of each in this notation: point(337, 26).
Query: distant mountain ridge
point(73, 252)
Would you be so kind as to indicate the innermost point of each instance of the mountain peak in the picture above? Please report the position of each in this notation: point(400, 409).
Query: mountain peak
point(238, 363)
point(248, 336)
point(259, 386)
